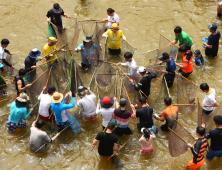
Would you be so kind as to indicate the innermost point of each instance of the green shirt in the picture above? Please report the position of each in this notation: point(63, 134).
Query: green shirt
point(184, 38)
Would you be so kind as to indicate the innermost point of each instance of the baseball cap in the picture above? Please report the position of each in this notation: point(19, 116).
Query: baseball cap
point(111, 125)
point(51, 89)
point(164, 57)
point(212, 27)
point(142, 69)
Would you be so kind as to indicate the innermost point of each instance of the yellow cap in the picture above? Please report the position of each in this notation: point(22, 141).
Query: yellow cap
point(114, 25)
point(52, 39)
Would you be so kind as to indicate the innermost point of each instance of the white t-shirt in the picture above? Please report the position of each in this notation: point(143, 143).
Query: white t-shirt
point(209, 99)
point(45, 103)
point(115, 18)
point(107, 114)
point(132, 69)
point(2, 54)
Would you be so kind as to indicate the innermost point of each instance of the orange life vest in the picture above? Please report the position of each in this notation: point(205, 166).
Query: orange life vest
point(187, 61)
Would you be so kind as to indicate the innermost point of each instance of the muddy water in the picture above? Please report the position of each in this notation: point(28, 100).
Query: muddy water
point(23, 23)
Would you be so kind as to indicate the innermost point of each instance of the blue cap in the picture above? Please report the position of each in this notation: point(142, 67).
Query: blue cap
point(212, 27)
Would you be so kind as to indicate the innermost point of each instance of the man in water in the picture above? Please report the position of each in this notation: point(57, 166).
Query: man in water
point(132, 66)
point(112, 17)
point(145, 83)
point(213, 41)
point(168, 114)
point(4, 44)
point(170, 68)
point(184, 38)
point(210, 99)
point(115, 35)
point(54, 15)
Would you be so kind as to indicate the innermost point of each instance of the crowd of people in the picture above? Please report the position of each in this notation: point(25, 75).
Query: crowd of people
point(53, 105)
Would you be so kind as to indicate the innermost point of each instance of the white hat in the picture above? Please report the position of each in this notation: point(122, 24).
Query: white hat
point(141, 69)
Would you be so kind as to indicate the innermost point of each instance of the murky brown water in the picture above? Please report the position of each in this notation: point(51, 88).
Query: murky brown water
point(23, 23)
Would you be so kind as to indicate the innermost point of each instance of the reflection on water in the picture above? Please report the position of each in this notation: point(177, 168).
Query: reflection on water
point(141, 21)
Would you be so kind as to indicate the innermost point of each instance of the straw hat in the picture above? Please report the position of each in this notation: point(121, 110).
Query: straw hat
point(23, 97)
point(57, 97)
point(52, 41)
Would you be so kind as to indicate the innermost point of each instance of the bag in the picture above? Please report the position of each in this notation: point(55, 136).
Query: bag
point(219, 4)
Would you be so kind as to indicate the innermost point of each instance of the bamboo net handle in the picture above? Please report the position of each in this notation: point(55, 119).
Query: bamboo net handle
point(186, 79)
point(150, 51)
point(184, 128)
point(200, 110)
point(53, 25)
point(39, 76)
point(170, 40)
point(166, 86)
point(48, 76)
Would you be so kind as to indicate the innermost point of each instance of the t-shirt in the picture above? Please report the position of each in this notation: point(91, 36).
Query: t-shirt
point(170, 67)
point(2, 54)
point(29, 62)
point(55, 18)
point(209, 99)
point(147, 144)
point(45, 104)
point(88, 105)
point(184, 38)
point(106, 143)
point(84, 55)
point(122, 117)
point(145, 115)
point(132, 69)
point(114, 38)
point(37, 139)
point(187, 61)
point(47, 50)
point(216, 139)
point(214, 41)
point(115, 18)
point(170, 113)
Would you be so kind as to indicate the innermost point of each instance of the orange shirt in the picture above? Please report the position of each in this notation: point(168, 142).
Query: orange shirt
point(187, 61)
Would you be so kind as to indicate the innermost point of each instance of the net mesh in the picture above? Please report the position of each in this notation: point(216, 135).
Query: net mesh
point(186, 93)
point(11, 60)
point(176, 146)
point(155, 69)
point(88, 27)
point(152, 56)
point(61, 35)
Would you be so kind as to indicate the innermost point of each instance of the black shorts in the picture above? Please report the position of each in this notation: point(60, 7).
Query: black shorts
point(207, 112)
point(121, 131)
point(186, 75)
point(114, 51)
point(164, 128)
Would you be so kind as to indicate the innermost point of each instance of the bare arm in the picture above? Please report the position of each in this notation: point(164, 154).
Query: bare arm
point(116, 148)
point(211, 105)
point(95, 142)
point(20, 89)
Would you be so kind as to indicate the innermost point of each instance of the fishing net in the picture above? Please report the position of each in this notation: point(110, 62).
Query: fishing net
point(50, 32)
point(11, 59)
point(176, 146)
point(74, 124)
point(100, 29)
point(88, 27)
point(157, 69)
point(186, 93)
point(152, 56)
point(164, 48)
point(61, 35)
point(106, 91)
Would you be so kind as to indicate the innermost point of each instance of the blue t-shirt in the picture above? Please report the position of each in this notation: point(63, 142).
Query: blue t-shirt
point(171, 67)
point(199, 60)
point(214, 41)
point(84, 56)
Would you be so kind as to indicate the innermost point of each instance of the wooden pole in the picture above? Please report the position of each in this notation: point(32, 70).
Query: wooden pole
point(121, 88)
point(2, 100)
point(6, 84)
point(129, 43)
point(53, 25)
point(48, 76)
point(170, 40)
point(184, 128)
point(119, 148)
point(200, 110)
point(166, 86)
point(39, 76)
point(186, 78)
point(149, 51)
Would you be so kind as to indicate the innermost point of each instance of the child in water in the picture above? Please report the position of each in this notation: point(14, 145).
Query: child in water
point(199, 61)
point(146, 140)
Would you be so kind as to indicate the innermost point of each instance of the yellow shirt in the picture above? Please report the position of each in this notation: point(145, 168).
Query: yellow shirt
point(47, 50)
point(114, 38)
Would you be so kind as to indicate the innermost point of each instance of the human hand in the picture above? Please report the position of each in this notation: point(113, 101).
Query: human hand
point(205, 44)
point(70, 93)
point(118, 64)
point(169, 44)
point(88, 88)
point(48, 20)
point(31, 109)
point(132, 106)
point(203, 125)
point(114, 98)
point(160, 62)
point(156, 115)
point(189, 145)
point(99, 101)
point(67, 94)
point(12, 67)
point(164, 71)
point(34, 67)
point(124, 37)
point(76, 94)
point(28, 85)
point(131, 80)
point(104, 19)
point(66, 15)
point(196, 139)
point(135, 105)
point(44, 88)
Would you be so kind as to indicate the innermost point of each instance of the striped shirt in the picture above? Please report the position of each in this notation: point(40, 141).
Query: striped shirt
point(122, 117)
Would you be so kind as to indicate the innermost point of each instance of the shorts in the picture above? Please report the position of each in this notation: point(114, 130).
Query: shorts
point(62, 125)
point(87, 118)
point(213, 154)
point(186, 75)
point(121, 131)
point(197, 165)
point(207, 112)
point(114, 51)
point(146, 151)
point(12, 126)
point(47, 118)
point(164, 128)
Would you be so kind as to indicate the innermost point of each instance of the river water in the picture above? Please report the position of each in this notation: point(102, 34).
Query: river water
point(23, 23)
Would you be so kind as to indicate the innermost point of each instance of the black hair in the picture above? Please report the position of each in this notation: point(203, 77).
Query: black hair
point(4, 41)
point(128, 55)
point(197, 52)
point(22, 72)
point(40, 123)
point(56, 6)
point(146, 133)
point(20, 104)
point(178, 29)
point(204, 86)
point(168, 101)
point(166, 56)
point(218, 119)
point(200, 130)
point(122, 103)
point(142, 100)
point(183, 49)
point(110, 10)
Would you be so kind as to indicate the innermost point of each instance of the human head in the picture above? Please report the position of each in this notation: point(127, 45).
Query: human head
point(34, 53)
point(23, 98)
point(177, 31)
point(56, 97)
point(87, 40)
point(52, 41)
point(128, 56)
point(4, 43)
point(142, 100)
point(218, 120)
point(82, 91)
point(168, 101)
point(146, 133)
point(22, 72)
point(142, 70)
point(122, 102)
point(110, 11)
point(56, 8)
point(164, 57)
point(200, 130)
point(111, 125)
point(40, 123)
point(183, 50)
point(51, 89)
point(114, 27)
point(106, 102)
point(204, 87)
point(212, 27)
point(197, 53)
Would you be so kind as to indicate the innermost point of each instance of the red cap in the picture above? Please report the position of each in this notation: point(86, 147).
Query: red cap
point(106, 100)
